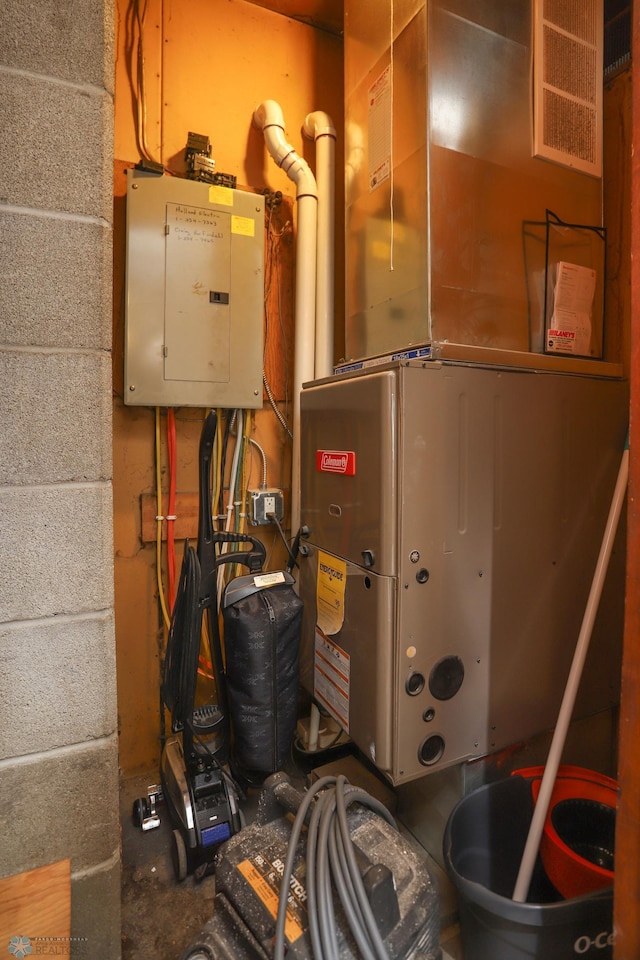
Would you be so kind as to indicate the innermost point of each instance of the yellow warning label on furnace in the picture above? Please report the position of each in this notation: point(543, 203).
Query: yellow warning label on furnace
point(332, 579)
point(261, 885)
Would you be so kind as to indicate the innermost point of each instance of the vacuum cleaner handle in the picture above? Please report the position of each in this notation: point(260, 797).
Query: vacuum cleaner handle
point(253, 559)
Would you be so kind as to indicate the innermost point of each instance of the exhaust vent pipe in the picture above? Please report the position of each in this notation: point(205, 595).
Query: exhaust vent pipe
point(268, 117)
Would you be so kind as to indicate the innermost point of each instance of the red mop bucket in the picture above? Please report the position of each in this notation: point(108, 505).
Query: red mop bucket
point(578, 838)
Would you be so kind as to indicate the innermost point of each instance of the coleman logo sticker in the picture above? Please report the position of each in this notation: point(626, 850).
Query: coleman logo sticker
point(336, 461)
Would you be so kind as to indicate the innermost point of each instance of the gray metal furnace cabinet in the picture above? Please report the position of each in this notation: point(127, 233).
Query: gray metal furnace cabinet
point(465, 507)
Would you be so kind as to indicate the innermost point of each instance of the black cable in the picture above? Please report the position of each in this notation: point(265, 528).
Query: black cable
point(292, 558)
point(219, 506)
point(303, 531)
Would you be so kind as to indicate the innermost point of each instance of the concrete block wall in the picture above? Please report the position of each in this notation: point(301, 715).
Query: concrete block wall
point(58, 724)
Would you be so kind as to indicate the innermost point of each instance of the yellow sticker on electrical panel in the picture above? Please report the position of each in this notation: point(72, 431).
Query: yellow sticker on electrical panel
point(243, 225)
point(221, 195)
point(332, 581)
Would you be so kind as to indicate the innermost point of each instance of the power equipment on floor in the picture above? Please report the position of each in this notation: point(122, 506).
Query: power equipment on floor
point(252, 690)
point(354, 886)
point(201, 795)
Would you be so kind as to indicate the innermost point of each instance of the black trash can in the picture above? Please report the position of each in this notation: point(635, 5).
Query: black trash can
point(483, 845)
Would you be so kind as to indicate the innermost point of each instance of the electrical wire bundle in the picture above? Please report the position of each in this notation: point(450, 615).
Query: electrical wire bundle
point(331, 858)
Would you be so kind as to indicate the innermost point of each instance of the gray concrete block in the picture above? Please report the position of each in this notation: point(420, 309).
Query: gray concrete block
point(56, 550)
point(72, 41)
point(95, 913)
point(57, 148)
point(56, 282)
point(55, 410)
point(70, 696)
point(60, 804)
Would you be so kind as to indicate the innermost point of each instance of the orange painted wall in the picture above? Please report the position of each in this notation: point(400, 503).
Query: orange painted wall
point(207, 66)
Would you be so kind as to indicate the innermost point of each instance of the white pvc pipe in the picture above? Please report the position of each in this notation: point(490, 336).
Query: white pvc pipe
point(354, 156)
point(314, 727)
point(303, 358)
point(269, 118)
point(318, 126)
point(523, 881)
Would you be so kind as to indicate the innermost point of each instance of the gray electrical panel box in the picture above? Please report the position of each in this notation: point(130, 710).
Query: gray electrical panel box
point(194, 294)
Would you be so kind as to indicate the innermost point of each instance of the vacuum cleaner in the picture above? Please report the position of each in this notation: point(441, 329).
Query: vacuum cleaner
point(320, 875)
point(250, 731)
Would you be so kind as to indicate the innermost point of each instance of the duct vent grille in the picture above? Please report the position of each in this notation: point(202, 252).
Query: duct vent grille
point(568, 43)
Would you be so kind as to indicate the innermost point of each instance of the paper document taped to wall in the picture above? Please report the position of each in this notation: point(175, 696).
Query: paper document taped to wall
point(380, 106)
point(569, 330)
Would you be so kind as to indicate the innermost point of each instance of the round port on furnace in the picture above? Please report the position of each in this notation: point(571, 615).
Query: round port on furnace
point(415, 684)
point(431, 750)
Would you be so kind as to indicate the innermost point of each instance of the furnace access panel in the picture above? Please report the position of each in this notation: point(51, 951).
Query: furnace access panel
point(455, 514)
point(194, 294)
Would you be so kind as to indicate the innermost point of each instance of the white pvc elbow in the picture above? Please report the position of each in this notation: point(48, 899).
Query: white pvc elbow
point(318, 124)
point(269, 118)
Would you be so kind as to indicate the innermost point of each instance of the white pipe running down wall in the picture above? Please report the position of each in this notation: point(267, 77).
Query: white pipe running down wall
point(319, 127)
point(354, 155)
point(268, 117)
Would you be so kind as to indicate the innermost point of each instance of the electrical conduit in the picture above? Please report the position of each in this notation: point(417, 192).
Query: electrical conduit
point(268, 117)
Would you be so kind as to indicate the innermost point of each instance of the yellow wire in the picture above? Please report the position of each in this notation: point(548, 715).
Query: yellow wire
point(163, 605)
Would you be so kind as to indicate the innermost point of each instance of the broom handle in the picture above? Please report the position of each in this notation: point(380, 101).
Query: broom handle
point(521, 889)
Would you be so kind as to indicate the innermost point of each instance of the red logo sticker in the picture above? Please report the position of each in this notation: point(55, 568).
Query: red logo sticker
point(336, 461)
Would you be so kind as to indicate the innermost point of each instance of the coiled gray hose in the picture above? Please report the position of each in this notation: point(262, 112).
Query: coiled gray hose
point(331, 856)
